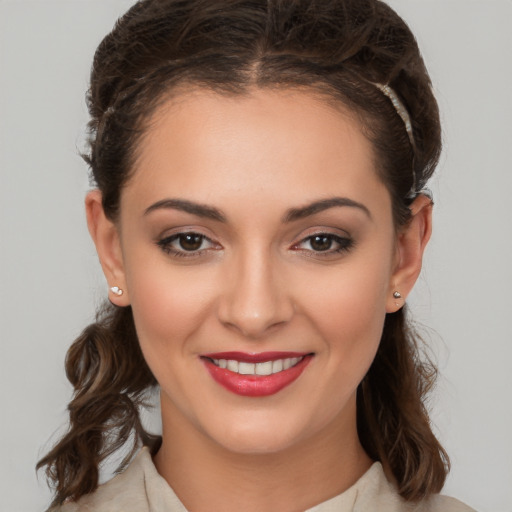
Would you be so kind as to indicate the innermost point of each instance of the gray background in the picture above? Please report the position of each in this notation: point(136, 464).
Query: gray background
point(51, 281)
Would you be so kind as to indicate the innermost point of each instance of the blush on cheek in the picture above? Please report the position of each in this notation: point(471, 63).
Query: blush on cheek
point(352, 318)
point(353, 304)
point(164, 312)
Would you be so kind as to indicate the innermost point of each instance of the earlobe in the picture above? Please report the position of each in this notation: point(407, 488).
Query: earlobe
point(411, 243)
point(105, 235)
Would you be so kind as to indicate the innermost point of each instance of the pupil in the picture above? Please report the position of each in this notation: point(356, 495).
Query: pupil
point(191, 241)
point(321, 243)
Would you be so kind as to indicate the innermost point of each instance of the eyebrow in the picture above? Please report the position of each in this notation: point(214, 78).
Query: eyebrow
point(319, 206)
point(201, 210)
point(291, 215)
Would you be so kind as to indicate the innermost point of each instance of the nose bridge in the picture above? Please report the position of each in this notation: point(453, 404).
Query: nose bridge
point(254, 299)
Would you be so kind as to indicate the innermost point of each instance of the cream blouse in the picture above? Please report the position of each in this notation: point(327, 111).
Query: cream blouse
point(141, 489)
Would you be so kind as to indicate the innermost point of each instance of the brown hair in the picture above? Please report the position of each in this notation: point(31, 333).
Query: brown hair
point(341, 48)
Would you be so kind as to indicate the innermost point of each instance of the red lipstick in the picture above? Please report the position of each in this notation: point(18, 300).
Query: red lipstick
point(252, 385)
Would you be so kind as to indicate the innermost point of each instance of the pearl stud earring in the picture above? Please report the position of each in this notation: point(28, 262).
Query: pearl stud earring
point(116, 290)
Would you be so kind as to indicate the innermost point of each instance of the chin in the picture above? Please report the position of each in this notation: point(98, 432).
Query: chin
point(257, 435)
point(256, 444)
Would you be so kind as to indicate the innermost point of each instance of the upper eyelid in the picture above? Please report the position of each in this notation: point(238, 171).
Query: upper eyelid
point(166, 244)
point(335, 233)
point(179, 233)
point(174, 236)
point(332, 235)
point(331, 254)
point(184, 230)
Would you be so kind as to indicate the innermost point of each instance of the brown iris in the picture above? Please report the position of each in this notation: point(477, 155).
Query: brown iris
point(321, 242)
point(190, 241)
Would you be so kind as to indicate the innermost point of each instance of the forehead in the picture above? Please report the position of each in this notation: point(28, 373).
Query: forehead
point(284, 144)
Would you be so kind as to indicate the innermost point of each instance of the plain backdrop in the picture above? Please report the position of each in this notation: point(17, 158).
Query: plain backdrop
point(50, 281)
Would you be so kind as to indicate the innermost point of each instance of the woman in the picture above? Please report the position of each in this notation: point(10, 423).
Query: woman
point(260, 221)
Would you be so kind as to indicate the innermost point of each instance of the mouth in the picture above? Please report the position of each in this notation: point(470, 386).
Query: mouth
point(256, 375)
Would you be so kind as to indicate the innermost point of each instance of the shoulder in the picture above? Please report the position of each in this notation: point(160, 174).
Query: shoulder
point(125, 492)
point(382, 495)
point(440, 503)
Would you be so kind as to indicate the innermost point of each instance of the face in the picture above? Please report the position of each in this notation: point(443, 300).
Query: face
point(258, 254)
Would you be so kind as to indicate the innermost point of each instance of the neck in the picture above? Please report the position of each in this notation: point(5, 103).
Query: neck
point(206, 476)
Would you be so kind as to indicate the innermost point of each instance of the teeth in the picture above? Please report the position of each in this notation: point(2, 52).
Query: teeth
point(287, 363)
point(277, 366)
point(246, 368)
point(232, 365)
point(265, 368)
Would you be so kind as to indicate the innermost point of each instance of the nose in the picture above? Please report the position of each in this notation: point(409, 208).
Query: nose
point(254, 298)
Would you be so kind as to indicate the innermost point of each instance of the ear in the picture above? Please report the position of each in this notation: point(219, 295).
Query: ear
point(105, 235)
point(411, 242)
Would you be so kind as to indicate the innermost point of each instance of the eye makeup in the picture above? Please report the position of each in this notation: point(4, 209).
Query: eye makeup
point(187, 244)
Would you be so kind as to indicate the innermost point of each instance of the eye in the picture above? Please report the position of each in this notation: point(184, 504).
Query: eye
point(326, 243)
point(190, 241)
point(186, 244)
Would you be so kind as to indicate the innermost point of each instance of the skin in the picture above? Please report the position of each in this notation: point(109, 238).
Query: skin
point(258, 284)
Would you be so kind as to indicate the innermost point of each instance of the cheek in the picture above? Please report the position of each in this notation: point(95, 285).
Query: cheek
point(168, 304)
point(348, 309)
point(351, 326)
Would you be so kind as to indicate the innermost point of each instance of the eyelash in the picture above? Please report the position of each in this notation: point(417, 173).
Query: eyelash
point(166, 245)
point(345, 244)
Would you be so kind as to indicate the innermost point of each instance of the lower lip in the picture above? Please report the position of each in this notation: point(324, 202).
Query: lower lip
point(256, 385)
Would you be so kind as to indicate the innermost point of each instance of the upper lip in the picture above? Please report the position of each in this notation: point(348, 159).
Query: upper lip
point(249, 357)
